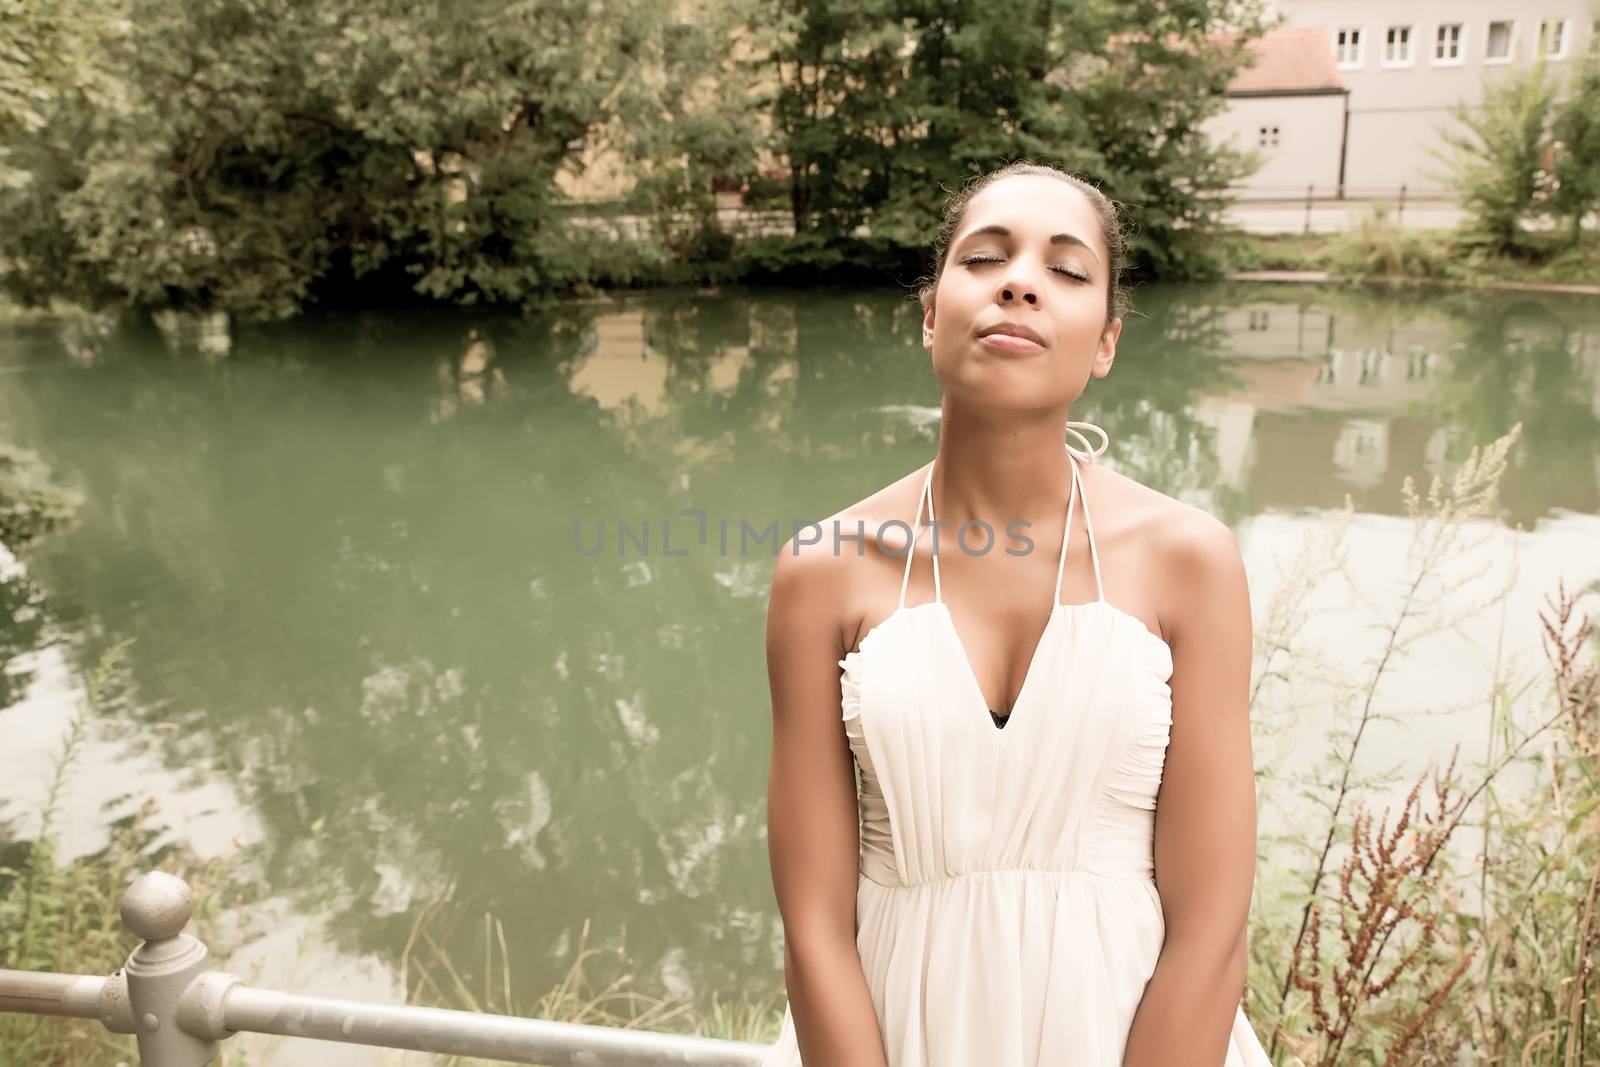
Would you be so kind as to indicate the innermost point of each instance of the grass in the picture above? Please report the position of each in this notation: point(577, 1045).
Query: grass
point(432, 979)
point(63, 916)
point(1376, 250)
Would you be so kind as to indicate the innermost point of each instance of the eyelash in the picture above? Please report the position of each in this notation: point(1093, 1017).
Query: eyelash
point(975, 259)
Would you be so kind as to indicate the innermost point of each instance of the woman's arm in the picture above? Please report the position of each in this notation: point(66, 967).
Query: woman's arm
point(1205, 830)
point(812, 819)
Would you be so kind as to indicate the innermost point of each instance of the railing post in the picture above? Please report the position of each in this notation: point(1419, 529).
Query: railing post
point(1308, 207)
point(1400, 216)
point(157, 907)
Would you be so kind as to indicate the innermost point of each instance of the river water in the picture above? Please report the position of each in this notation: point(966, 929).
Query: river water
point(372, 668)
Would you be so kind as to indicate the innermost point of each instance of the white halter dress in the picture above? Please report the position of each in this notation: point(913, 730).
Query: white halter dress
point(1006, 909)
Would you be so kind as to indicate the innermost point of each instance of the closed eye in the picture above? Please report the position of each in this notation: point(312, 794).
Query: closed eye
point(975, 259)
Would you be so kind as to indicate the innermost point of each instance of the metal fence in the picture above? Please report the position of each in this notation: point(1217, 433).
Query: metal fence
point(181, 1010)
point(1250, 192)
point(1312, 196)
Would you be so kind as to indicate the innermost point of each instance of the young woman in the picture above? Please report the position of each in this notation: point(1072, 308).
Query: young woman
point(1048, 859)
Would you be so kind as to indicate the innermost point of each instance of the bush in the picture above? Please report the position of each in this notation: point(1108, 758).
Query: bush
point(1378, 248)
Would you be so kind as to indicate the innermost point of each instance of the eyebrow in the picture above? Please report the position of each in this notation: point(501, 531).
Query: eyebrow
point(1055, 239)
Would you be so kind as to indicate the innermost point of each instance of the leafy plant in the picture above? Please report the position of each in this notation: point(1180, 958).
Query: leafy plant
point(1576, 133)
point(1500, 155)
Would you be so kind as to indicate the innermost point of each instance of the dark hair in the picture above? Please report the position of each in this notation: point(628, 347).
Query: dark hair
point(1110, 229)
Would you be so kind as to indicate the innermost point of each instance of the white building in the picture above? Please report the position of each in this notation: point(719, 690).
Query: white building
point(1408, 64)
point(1289, 108)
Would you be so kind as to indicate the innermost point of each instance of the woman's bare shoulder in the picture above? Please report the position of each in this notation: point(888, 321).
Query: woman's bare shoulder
point(824, 562)
point(1175, 559)
point(1170, 529)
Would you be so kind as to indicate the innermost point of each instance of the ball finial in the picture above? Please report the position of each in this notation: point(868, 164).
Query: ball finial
point(157, 905)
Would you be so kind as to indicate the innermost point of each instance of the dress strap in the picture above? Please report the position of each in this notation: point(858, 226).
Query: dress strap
point(1088, 452)
point(933, 552)
point(1085, 454)
point(1075, 456)
point(911, 550)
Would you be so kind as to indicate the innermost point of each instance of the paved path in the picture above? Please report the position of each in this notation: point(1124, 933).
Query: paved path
point(1254, 216)
point(1332, 216)
point(1316, 277)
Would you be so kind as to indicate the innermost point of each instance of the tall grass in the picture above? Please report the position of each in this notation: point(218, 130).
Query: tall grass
point(1460, 924)
point(62, 916)
point(430, 977)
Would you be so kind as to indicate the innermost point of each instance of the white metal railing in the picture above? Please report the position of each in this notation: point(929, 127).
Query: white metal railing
point(181, 1010)
point(1250, 192)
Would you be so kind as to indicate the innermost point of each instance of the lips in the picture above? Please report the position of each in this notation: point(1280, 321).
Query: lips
point(1011, 329)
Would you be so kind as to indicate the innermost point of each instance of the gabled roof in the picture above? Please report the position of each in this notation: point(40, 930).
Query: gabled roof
point(1289, 62)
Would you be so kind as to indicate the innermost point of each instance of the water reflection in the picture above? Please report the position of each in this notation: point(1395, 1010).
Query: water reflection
point(345, 550)
point(1364, 389)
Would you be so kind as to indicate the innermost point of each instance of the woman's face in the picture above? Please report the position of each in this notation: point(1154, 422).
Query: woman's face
point(1030, 256)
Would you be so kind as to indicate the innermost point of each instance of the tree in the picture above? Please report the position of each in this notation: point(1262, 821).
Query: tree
point(1499, 157)
point(879, 103)
point(52, 89)
point(1576, 130)
point(263, 155)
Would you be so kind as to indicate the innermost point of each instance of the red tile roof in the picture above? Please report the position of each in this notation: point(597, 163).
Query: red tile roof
point(1296, 60)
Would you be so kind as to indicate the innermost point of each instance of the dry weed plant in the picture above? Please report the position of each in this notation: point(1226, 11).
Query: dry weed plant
point(1393, 943)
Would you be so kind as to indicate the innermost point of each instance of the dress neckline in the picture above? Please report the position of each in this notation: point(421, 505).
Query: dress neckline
point(1076, 492)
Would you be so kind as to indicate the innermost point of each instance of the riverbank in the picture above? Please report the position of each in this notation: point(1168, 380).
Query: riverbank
point(1376, 253)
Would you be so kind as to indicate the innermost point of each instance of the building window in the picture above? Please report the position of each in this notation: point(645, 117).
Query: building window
point(1347, 47)
point(1397, 47)
point(1268, 137)
point(1258, 320)
point(1371, 368)
point(1447, 43)
point(1501, 42)
point(1553, 38)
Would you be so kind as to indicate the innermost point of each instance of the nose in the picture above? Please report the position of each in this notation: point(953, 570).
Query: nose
point(1018, 285)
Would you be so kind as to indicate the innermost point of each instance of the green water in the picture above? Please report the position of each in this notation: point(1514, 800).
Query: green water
point(345, 551)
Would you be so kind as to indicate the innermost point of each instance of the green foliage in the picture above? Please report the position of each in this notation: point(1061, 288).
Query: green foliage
point(31, 504)
point(1576, 130)
point(1378, 248)
point(1533, 150)
point(880, 106)
point(43, 56)
point(262, 155)
point(1376, 251)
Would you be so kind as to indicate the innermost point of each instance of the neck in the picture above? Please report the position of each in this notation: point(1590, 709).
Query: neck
point(1000, 468)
